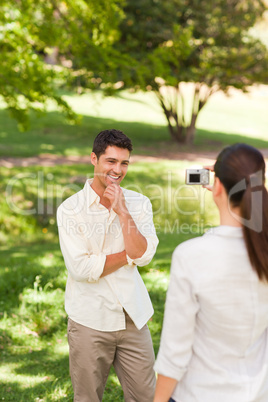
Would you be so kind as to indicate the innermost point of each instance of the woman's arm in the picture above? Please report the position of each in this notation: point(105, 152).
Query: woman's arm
point(177, 335)
point(164, 388)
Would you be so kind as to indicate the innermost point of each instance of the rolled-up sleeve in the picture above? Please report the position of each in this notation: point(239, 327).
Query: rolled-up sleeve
point(146, 227)
point(82, 265)
point(179, 322)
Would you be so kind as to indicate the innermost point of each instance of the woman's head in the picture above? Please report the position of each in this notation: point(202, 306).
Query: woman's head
point(240, 164)
point(241, 170)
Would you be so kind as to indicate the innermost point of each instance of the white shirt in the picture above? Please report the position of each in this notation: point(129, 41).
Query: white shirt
point(88, 232)
point(215, 337)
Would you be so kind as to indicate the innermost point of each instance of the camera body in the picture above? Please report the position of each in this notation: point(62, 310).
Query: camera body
point(197, 176)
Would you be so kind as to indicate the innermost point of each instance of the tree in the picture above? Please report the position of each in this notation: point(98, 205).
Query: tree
point(76, 32)
point(203, 43)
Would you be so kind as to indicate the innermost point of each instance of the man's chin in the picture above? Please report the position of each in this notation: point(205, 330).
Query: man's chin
point(110, 180)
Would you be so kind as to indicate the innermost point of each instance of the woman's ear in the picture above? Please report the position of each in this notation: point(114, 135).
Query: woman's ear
point(217, 187)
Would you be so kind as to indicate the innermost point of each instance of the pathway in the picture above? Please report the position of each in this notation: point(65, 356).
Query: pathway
point(52, 160)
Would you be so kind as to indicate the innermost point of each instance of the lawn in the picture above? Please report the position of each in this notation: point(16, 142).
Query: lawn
point(34, 351)
point(222, 121)
point(33, 343)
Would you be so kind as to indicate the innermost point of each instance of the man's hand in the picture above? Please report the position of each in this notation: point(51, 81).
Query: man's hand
point(115, 195)
point(135, 242)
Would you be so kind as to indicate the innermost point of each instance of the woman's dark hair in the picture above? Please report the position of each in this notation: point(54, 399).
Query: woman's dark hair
point(111, 137)
point(241, 170)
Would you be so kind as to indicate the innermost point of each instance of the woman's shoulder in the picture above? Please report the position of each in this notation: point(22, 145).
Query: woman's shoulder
point(194, 244)
point(216, 237)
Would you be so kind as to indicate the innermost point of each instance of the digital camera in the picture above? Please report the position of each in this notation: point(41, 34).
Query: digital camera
point(197, 176)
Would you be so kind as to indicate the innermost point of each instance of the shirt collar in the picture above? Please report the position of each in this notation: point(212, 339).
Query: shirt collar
point(226, 231)
point(90, 195)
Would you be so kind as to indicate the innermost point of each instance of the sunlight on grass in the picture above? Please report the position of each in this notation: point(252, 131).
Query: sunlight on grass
point(238, 113)
point(47, 260)
point(25, 381)
point(34, 357)
point(62, 348)
point(244, 114)
point(223, 120)
point(48, 147)
point(156, 280)
point(126, 106)
point(33, 341)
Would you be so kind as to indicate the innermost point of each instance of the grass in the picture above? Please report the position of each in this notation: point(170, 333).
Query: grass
point(34, 350)
point(241, 118)
point(33, 343)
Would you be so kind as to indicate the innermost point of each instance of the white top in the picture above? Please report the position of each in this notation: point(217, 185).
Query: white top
point(88, 232)
point(215, 337)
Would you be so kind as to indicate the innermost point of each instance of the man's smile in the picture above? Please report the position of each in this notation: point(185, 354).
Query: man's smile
point(113, 177)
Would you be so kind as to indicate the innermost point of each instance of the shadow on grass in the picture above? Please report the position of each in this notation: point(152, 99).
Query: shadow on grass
point(45, 370)
point(49, 375)
point(47, 389)
point(20, 266)
point(51, 134)
point(214, 141)
point(42, 375)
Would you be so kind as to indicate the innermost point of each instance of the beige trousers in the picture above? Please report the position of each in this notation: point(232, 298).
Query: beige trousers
point(92, 353)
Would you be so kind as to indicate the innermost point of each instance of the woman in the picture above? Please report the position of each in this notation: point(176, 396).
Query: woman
point(214, 342)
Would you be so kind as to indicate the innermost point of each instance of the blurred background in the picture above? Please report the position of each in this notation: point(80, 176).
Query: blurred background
point(182, 79)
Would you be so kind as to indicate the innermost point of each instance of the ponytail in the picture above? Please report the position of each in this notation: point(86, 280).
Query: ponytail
point(254, 213)
point(241, 169)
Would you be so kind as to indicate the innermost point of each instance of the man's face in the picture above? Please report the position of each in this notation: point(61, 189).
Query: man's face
point(111, 167)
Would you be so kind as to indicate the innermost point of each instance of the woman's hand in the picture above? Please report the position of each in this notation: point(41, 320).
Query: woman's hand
point(211, 169)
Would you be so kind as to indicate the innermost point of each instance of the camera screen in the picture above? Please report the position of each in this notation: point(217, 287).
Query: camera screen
point(194, 178)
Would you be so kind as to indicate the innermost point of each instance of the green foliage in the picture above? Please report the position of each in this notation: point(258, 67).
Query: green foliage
point(146, 44)
point(201, 42)
point(33, 342)
point(42, 307)
point(36, 35)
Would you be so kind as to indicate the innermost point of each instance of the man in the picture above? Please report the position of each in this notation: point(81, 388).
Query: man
point(105, 231)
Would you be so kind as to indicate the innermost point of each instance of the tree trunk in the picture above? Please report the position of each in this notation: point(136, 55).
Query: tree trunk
point(190, 130)
point(176, 131)
point(180, 131)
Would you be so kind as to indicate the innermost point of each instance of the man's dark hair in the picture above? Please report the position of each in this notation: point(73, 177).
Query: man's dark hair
point(111, 138)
